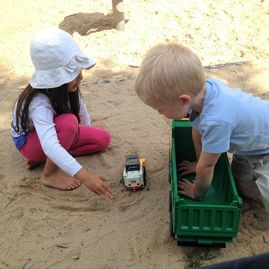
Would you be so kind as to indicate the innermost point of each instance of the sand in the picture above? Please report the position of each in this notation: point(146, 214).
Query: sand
point(46, 228)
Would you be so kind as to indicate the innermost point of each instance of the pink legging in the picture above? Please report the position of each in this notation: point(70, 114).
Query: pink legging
point(77, 140)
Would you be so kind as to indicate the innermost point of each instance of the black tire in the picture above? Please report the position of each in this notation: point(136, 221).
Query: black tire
point(170, 158)
point(171, 226)
point(170, 201)
point(196, 244)
point(169, 174)
point(145, 176)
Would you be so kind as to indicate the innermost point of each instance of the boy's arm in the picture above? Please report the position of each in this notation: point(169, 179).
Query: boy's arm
point(204, 174)
point(196, 138)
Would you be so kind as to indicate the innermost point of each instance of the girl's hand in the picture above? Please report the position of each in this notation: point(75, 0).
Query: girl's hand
point(187, 188)
point(94, 183)
point(97, 185)
point(187, 167)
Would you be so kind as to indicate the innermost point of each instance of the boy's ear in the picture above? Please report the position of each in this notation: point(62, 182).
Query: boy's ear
point(184, 99)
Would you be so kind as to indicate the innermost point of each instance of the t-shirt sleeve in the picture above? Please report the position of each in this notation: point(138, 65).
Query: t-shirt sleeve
point(84, 114)
point(42, 116)
point(215, 136)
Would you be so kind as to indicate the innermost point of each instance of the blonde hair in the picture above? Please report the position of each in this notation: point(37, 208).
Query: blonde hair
point(167, 71)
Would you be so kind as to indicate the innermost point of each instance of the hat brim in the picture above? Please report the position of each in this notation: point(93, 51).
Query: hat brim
point(92, 63)
point(53, 78)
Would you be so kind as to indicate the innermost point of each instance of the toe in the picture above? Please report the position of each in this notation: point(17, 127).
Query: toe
point(74, 185)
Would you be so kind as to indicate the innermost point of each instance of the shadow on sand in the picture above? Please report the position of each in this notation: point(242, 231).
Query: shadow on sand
point(87, 23)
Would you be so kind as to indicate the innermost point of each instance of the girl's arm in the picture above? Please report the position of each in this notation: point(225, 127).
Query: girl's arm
point(84, 114)
point(204, 174)
point(42, 116)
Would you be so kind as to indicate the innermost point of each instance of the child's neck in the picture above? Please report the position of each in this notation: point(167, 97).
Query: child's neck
point(198, 100)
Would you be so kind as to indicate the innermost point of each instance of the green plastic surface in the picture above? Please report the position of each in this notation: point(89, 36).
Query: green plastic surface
point(216, 218)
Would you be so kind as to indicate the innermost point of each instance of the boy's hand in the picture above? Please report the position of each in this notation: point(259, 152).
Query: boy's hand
point(187, 167)
point(187, 188)
point(204, 175)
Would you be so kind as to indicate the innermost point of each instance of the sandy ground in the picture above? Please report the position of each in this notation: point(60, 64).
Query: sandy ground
point(46, 228)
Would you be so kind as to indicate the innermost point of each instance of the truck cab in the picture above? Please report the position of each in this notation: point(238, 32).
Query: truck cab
point(134, 175)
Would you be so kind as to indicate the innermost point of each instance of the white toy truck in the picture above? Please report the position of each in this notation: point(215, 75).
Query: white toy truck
point(134, 173)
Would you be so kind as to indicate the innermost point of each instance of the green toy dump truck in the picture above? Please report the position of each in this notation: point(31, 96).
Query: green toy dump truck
point(213, 220)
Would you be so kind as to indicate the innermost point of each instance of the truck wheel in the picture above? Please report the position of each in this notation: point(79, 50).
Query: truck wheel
point(145, 176)
point(171, 227)
point(170, 201)
point(169, 166)
point(169, 174)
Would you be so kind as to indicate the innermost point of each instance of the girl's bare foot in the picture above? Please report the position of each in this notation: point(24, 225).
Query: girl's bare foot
point(99, 124)
point(60, 180)
point(31, 164)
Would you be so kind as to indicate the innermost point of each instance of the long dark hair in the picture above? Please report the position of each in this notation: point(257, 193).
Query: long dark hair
point(61, 100)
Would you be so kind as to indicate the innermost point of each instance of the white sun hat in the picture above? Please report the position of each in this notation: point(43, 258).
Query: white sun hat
point(57, 59)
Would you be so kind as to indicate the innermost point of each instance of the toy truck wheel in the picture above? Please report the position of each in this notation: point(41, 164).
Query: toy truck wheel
point(144, 176)
point(171, 227)
point(169, 174)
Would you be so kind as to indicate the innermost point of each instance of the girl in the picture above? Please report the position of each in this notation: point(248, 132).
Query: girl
point(50, 120)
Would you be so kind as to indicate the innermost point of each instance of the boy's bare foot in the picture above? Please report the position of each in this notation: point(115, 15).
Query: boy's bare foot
point(60, 180)
point(32, 164)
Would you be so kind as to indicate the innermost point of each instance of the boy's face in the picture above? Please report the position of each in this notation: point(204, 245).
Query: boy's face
point(174, 110)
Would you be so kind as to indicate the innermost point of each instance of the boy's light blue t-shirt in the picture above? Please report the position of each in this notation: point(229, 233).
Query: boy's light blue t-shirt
point(232, 120)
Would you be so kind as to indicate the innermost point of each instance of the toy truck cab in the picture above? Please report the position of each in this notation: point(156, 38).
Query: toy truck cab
point(134, 174)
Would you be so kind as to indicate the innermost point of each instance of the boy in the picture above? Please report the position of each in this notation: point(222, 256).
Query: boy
point(171, 80)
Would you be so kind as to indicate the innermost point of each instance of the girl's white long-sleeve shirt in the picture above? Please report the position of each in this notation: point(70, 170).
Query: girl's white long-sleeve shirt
point(41, 115)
